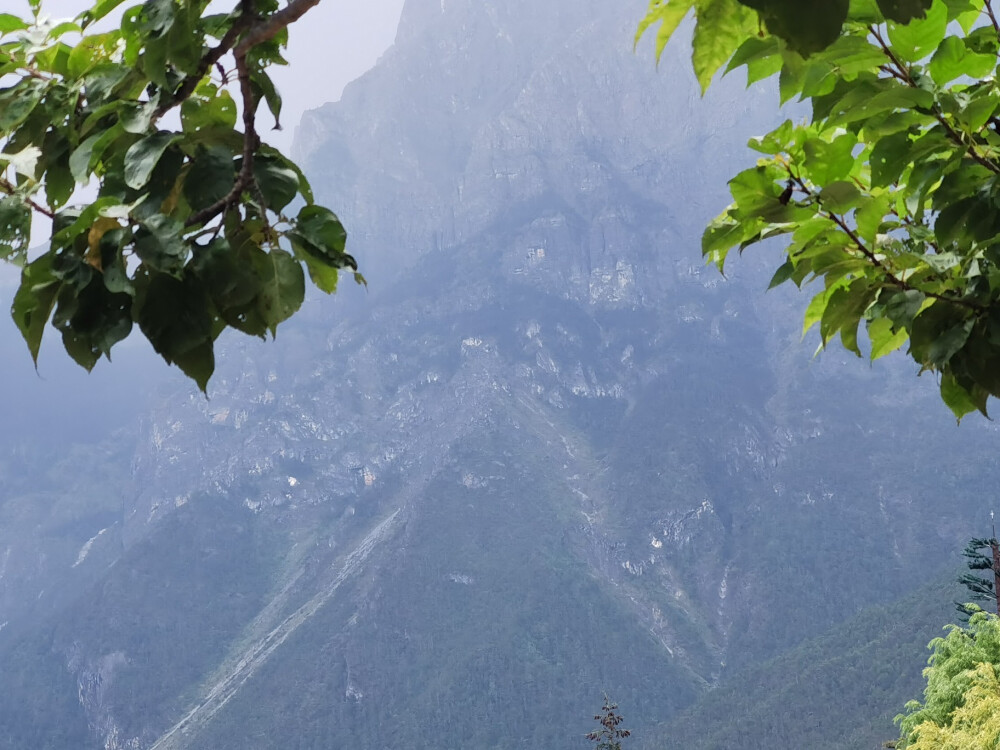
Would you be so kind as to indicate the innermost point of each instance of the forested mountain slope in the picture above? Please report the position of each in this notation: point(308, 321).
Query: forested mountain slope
point(547, 454)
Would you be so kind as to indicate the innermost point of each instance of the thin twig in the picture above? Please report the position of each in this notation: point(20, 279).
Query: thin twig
point(190, 83)
point(872, 257)
point(9, 189)
point(993, 18)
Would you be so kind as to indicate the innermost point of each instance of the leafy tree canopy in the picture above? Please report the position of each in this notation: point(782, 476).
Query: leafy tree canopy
point(961, 706)
point(887, 195)
point(195, 225)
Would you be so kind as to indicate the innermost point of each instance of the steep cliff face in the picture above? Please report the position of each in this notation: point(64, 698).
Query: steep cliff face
point(548, 454)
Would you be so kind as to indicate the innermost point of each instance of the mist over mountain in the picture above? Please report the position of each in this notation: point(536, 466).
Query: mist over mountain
point(547, 454)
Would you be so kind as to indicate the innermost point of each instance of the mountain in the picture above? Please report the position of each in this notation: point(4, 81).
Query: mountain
point(549, 454)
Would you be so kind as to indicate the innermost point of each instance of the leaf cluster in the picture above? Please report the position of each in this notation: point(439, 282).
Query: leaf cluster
point(961, 706)
point(190, 230)
point(887, 195)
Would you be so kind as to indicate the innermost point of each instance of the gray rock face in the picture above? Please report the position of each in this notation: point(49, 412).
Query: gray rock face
point(548, 454)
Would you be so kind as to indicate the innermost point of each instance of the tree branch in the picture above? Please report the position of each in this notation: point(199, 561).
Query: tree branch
point(251, 141)
point(872, 258)
point(993, 19)
point(275, 23)
point(9, 189)
point(190, 83)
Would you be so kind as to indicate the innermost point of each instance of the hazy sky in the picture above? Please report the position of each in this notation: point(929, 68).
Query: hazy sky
point(330, 46)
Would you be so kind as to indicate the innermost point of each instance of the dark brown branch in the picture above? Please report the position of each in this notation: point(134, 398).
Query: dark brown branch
point(872, 258)
point(275, 23)
point(903, 72)
point(190, 83)
point(251, 142)
point(993, 18)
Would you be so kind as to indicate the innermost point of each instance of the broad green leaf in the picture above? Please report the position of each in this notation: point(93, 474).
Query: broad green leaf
point(940, 330)
point(34, 301)
point(159, 244)
point(174, 314)
point(18, 101)
point(136, 117)
point(91, 318)
point(282, 288)
point(264, 88)
point(843, 312)
point(785, 272)
point(840, 196)
point(889, 158)
point(142, 157)
point(208, 108)
point(323, 276)
point(228, 276)
point(904, 11)
point(210, 177)
point(278, 184)
point(871, 211)
point(884, 338)
point(667, 14)
point(807, 27)
point(817, 306)
point(827, 160)
point(9, 23)
point(957, 397)
point(915, 40)
point(953, 60)
point(321, 230)
point(722, 26)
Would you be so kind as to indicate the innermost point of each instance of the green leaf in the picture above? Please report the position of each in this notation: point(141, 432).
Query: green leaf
point(208, 108)
point(843, 312)
point(263, 87)
point(889, 157)
point(210, 178)
point(142, 157)
point(828, 160)
point(668, 14)
point(17, 102)
point(282, 289)
point(9, 23)
point(174, 314)
point(136, 117)
point(903, 11)
point(957, 397)
point(722, 26)
point(806, 27)
point(953, 60)
point(91, 318)
point(938, 332)
point(34, 301)
point(840, 196)
point(277, 182)
point(319, 230)
point(159, 244)
point(885, 338)
point(913, 41)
